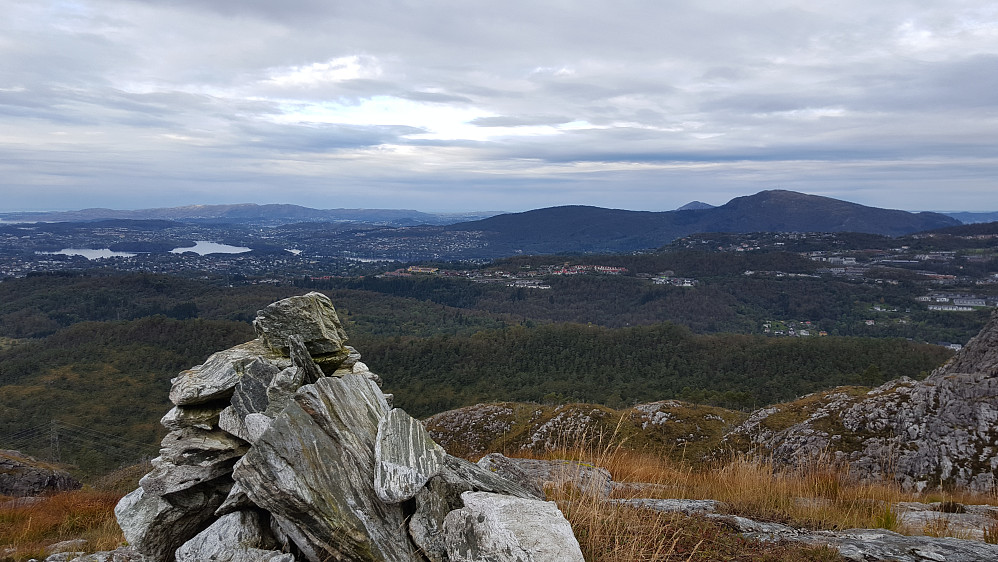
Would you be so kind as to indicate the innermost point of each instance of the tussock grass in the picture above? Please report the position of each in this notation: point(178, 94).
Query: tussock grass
point(817, 495)
point(28, 527)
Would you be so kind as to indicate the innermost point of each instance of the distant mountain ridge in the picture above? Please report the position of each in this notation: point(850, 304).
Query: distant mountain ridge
point(695, 206)
point(270, 215)
point(974, 218)
point(595, 229)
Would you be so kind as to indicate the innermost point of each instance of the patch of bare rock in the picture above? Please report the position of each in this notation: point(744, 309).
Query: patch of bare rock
point(22, 476)
point(939, 432)
point(285, 448)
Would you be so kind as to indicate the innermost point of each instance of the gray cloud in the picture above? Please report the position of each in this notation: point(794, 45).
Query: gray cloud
point(513, 105)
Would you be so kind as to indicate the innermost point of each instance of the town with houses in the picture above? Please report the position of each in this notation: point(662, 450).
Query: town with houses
point(955, 279)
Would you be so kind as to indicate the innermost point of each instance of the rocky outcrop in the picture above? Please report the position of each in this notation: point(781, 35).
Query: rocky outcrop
point(672, 428)
point(22, 476)
point(859, 545)
point(940, 432)
point(285, 448)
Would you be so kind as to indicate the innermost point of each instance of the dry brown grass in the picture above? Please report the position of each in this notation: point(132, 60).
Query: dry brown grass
point(27, 528)
point(819, 495)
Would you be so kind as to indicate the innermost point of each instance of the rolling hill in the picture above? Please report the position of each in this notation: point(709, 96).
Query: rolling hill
point(595, 229)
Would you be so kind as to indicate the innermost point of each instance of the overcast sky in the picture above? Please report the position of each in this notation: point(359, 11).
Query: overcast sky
point(501, 105)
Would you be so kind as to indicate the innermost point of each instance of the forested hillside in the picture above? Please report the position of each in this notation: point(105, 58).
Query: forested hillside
point(95, 353)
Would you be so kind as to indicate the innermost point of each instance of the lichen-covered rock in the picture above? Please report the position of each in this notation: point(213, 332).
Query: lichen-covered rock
point(21, 475)
point(406, 457)
point(314, 467)
point(311, 317)
point(285, 448)
point(942, 431)
point(216, 378)
point(493, 527)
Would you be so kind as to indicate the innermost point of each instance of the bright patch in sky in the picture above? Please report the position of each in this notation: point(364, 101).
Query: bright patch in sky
point(319, 73)
point(438, 121)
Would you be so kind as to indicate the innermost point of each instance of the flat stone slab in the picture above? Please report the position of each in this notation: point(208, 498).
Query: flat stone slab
point(216, 378)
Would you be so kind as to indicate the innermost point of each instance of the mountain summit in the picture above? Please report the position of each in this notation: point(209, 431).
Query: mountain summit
point(595, 229)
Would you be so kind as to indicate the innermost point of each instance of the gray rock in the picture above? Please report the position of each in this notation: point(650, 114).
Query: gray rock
point(237, 500)
point(940, 432)
point(538, 474)
point(122, 554)
point(311, 317)
point(256, 425)
point(688, 507)
point(189, 457)
point(235, 537)
point(863, 545)
point(201, 417)
point(250, 393)
point(442, 494)
point(300, 356)
point(314, 467)
point(289, 537)
point(494, 528)
point(426, 526)
point(925, 519)
point(21, 475)
point(405, 457)
point(62, 557)
point(230, 422)
point(73, 545)
point(156, 526)
point(478, 479)
point(282, 389)
point(217, 377)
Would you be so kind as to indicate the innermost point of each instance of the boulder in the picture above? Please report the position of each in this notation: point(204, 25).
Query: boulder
point(494, 527)
point(21, 476)
point(314, 467)
point(156, 525)
point(936, 433)
point(310, 317)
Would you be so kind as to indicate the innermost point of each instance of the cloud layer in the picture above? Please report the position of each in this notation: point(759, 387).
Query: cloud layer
point(451, 105)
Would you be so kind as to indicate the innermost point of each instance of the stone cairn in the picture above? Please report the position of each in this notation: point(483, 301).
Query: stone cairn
point(284, 448)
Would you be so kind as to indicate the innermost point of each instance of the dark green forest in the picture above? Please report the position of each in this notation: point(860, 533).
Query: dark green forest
point(97, 351)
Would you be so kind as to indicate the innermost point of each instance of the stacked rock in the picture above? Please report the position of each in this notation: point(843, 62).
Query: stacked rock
point(284, 448)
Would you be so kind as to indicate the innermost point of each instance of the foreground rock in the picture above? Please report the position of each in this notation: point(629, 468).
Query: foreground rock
point(285, 448)
point(497, 527)
point(23, 476)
